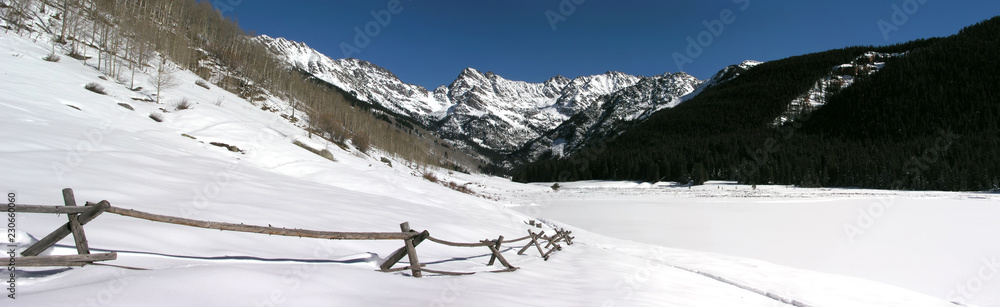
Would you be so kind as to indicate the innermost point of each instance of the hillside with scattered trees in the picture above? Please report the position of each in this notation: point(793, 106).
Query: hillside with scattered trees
point(152, 35)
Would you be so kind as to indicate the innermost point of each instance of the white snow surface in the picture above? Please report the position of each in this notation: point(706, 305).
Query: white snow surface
point(107, 152)
point(937, 243)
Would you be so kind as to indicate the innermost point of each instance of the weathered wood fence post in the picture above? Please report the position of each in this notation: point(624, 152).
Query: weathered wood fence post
point(79, 237)
point(401, 252)
point(67, 229)
point(496, 247)
point(411, 251)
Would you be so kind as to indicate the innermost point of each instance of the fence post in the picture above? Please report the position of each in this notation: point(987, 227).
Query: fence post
point(559, 236)
point(65, 230)
point(566, 235)
point(411, 251)
point(496, 247)
point(539, 246)
point(534, 241)
point(496, 253)
point(79, 237)
point(401, 252)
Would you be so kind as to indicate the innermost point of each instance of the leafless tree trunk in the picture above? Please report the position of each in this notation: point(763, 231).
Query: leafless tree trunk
point(163, 78)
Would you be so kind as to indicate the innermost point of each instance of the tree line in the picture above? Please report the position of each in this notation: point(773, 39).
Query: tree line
point(928, 120)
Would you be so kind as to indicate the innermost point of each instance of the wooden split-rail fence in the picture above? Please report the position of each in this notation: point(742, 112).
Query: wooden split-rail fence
point(78, 216)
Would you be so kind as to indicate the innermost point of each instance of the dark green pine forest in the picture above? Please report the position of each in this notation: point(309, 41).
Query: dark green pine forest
point(927, 121)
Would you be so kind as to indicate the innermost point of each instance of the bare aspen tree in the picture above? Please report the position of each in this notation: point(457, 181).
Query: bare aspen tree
point(18, 14)
point(66, 21)
point(163, 78)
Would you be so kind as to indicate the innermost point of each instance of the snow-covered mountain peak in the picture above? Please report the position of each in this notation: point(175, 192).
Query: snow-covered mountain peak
point(484, 108)
point(470, 72)
point(364, 79)
point(583, 92)
point(502, 115)
point(602, 114)
point(749, 64)
point(558, 79)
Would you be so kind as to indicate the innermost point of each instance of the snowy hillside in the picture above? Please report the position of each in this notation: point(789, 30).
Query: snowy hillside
point(840, 78)
point(56, 134)
point(725, 75)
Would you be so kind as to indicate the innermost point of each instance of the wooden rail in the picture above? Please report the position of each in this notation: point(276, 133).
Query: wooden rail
point(79, 216)
point(67, 260)
point(263, 229)
point(50, 209)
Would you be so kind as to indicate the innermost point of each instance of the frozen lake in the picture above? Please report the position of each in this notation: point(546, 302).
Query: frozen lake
point(929, 242)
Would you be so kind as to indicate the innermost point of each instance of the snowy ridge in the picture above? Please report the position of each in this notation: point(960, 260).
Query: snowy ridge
point(502, 115)
point(366, 80)
point(491, 112)
point(622, 109)
point(725, 75)
point(840, 78)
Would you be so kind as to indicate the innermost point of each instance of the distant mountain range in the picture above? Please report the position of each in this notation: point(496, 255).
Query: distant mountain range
point(845, 117)
point(501, 119)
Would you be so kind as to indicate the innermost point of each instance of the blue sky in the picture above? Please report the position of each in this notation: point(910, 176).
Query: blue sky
point(430, 42)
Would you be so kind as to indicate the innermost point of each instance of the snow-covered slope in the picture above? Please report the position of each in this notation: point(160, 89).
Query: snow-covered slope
point(55, 135)
point(729, 73)
point(840, 78)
